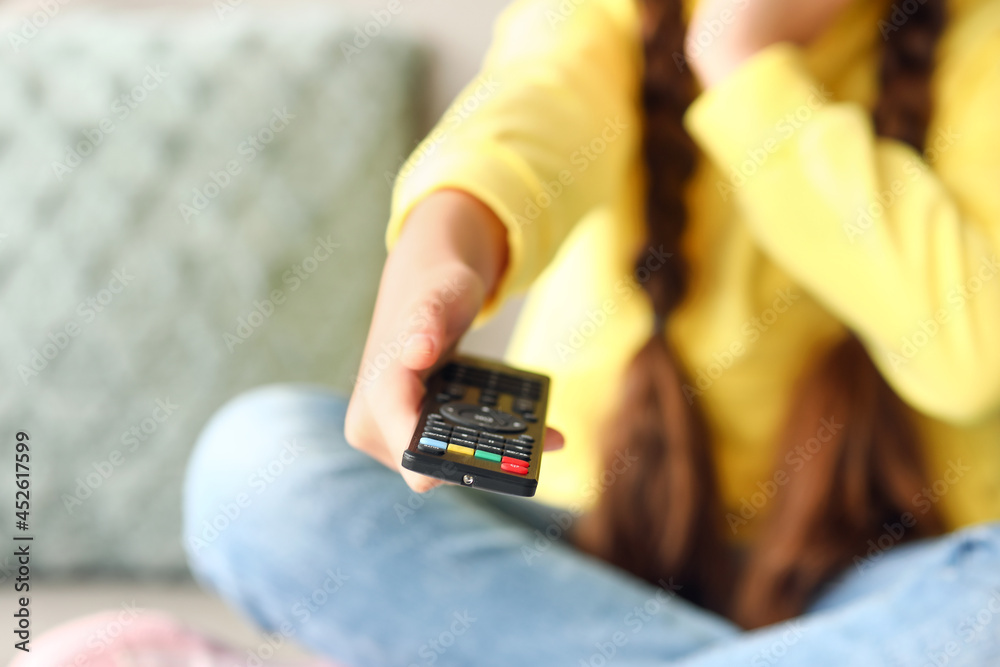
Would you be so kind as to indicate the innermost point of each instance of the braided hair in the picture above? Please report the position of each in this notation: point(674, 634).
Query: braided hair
point(662, 519)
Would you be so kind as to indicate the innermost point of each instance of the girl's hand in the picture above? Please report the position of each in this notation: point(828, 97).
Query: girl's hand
point(724, 33)
point(447, 260)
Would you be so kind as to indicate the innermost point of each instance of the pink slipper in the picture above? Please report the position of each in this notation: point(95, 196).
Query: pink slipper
point(150, 639)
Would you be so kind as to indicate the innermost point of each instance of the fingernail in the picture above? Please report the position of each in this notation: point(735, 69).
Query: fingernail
point(419, 344)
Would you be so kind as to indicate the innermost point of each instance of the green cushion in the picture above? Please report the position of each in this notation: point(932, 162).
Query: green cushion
point(191, 207)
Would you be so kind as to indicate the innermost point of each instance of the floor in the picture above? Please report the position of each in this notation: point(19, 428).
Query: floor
point(55, 603)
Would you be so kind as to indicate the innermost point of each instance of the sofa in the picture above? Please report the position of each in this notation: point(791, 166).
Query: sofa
point(194, 204)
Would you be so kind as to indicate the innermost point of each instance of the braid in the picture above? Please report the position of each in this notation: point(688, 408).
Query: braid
point(904, 106)
point(867, 476)
point(669, 152)
point(658, 519)
point(661, 519)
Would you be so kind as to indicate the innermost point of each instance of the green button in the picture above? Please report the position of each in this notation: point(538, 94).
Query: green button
point(489, 456)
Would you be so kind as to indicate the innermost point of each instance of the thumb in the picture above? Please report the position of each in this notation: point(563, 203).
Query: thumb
point(426, 337)
point(439, 319)
point(421, 350)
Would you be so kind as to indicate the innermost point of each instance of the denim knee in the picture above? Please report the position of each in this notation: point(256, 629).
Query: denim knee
point(981, 542)
point(247, 456)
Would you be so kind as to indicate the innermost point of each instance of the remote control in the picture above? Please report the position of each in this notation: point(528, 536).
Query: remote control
point(482, 425)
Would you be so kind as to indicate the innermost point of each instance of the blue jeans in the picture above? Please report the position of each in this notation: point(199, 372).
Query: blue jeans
point(320, 544)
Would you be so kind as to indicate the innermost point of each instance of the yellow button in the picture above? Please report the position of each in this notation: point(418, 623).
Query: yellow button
point(459, 449)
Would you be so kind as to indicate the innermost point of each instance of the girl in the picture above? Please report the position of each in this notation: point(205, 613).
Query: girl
point(761, 238)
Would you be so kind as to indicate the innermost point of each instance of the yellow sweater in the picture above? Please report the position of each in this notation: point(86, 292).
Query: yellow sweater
point(801, 222)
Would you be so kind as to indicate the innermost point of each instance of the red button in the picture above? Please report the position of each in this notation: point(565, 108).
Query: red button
point(510, 467)
point(514, 461)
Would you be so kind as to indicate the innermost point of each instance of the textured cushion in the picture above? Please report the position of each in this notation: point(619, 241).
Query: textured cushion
point(191, 207)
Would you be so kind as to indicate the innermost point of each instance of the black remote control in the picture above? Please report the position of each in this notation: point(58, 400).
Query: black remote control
point(482, 425)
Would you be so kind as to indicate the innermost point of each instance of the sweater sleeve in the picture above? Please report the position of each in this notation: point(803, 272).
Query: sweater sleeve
point(901, 247)
point(542, 136)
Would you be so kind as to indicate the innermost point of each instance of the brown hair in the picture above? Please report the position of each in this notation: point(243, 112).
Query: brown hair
point(662, 518)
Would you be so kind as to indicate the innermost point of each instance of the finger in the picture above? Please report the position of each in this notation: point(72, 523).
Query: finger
point(401, 397)
point(426, 339)
point(362, 431)
point(553, 439)
point(390, 453)
point(420, 351)
point(420, 483)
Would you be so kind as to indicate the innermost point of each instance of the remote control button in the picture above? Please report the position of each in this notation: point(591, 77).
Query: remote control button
point(489, 448)
point(434, 417)
point(510, 467)
point(482, 417)
point(488, 398)
point(489, 456)
point(515, 385)
point(530, 417)
point(518, 456)
point(521, 446)
point(432, 443)
point(438, 433)
point(524, 405)
point(463, 442)
point(443, 397)
point(458, 449)
point(467, 431)
point(516, 461)
point(525, 437)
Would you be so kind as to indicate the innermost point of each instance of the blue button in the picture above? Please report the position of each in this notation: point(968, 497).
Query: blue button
point(433, 443)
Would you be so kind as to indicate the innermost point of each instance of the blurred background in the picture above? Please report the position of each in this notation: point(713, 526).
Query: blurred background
point(194, 196)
